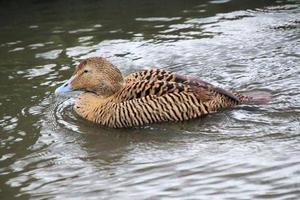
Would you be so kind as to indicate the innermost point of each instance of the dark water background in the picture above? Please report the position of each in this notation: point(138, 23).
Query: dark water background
point(251, 152)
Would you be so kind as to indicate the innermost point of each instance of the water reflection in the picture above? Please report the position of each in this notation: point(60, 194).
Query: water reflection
point(47, 151)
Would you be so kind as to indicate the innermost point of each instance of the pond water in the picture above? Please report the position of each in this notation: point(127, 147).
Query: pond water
point(250, 152)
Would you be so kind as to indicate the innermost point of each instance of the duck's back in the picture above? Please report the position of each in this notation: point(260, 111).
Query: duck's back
point(151, 98)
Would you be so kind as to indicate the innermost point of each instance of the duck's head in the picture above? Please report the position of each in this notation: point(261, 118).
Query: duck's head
point(96, 75)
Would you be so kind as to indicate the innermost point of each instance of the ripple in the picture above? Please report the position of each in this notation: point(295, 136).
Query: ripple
point(36, 45)
point(219, 1)
point(54, 54)
point(17, 49)
point(246, 152)
point(85, 38)
point(81, 30)
point(38, 71)
point(64, 115)
point(158, 19)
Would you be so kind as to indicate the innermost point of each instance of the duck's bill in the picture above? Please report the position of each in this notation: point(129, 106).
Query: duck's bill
point(64, 88)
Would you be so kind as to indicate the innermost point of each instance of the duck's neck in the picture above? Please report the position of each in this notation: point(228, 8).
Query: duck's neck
point(96, 107)
point(92, 107)
point(113, 95)
point(108, 90)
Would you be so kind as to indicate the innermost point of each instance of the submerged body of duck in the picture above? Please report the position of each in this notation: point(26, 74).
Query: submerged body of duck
point(145, 97)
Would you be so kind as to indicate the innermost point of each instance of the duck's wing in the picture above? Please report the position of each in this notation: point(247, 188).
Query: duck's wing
point(204, 93)
point(196, 82)
point(152, 74)
point(139, 89)
point(147, 102)
point(151, 109)
point(168, 76)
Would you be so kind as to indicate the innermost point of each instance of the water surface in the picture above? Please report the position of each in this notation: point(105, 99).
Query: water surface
point(250, 152)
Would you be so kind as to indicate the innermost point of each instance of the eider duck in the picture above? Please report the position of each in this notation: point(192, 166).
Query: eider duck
point(145, 97)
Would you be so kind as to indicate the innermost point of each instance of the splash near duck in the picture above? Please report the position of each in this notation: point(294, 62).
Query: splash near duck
point(146, 97)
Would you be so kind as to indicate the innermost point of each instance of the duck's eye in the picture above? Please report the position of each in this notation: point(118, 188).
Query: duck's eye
point(86, 71)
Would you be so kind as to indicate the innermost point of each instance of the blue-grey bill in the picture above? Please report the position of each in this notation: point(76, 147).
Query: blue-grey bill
point(64, 88)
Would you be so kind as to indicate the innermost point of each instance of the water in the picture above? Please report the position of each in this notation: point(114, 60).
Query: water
point(250, 152)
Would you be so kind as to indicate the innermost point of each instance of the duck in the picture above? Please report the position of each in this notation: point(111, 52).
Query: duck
point(146, 97)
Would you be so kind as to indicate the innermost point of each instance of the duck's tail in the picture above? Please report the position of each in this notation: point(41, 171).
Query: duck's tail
point(254, 97)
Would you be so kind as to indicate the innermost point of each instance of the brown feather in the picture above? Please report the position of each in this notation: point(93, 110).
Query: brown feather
point(146, 97)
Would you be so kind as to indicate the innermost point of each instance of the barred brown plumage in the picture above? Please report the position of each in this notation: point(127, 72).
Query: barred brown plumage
point(145, 97)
